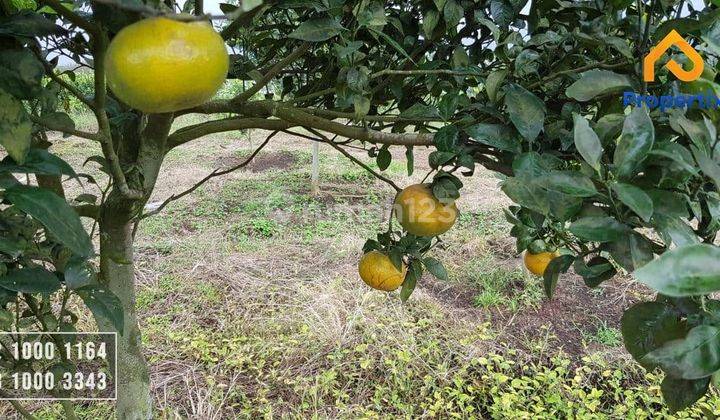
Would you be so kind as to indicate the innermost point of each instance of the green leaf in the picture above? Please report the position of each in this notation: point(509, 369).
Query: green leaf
point(20, 73)
point(392, 43)
point(430, 21)
point(562, 206)
point(707, 166)
point(445, 190)
point(533, 164)
point(686, 271)
point(384, 158)
point(598, 229)
point(637, 139)
point(495, 135)
point(597, 82)
point(674, 230)
point(413, 275)
point(557, 266)
point(316, 30)
point(448, 105)
point(55, 214)
point(396, 257)
point(587, 142)
point(680, 394)
point(420, 111)
point(596, 271)
point(693, 357)
point(372, 15)
point(527, 111)
point(527, 194)
point(10, 247)
point(571, 183)
point(226, 8)
point(493, 83)
point(446, 138)
point(436, 268)
point(668, 203)
point(15, 127)
point(60, 120)
point(646, 326)
point(460, 58)
point(631, 251)
point(104, 305)
point(30, 280)
point(635, 198)
point(357, 78)
point(27, 24)
point(410, 157)
point(502, 12)
point(361, 105)
point(437, 158)
point(685, 25)
point(453, 12)
point(39, 161)
point(78, 274)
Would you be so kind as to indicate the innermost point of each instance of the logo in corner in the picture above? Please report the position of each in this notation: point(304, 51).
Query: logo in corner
point(673, 38)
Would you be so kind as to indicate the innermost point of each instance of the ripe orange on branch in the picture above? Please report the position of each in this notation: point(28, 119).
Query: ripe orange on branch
point(163, 65)
point(537, 263)
point(421, 213)
point(379, 272)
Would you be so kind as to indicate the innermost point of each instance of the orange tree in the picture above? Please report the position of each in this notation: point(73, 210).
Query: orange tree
point(533, 93)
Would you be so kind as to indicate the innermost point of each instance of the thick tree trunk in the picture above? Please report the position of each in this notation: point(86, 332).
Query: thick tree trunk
point(117, 269)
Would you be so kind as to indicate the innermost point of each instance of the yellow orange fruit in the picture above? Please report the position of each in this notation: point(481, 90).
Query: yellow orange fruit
point(379, 272)
point(163, 65)
point(537, 263)
point(420, 213)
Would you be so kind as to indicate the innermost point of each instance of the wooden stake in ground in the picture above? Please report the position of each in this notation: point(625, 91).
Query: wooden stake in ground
point(315, 174)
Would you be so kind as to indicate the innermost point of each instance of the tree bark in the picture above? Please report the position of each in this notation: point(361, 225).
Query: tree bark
point(117, 273)
point(145, 151)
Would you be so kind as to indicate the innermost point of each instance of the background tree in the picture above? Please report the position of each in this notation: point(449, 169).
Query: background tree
point(534, 96)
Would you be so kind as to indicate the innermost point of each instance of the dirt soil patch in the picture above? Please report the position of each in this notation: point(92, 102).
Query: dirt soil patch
point(574, 310)
point(262, 162)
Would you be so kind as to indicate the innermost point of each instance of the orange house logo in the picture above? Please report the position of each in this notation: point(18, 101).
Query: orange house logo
point(674, 38)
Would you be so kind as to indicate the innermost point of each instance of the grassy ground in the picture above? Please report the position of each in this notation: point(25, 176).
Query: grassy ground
point(251, 306)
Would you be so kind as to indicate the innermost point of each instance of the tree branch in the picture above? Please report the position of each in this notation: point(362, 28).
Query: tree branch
point(213, 174)
point(55, 127)
point(274, 70)
point(349, 115)
point(493, 165)
point(91, 211)
point(99, 48)
point(73, 17)
point(186, 134)
point(242, 21)
point(421, 73)
point(600, 65)
point(313, 95)
point(300, 117)
point(66, 85)
point(355, 160)
point(289, 117)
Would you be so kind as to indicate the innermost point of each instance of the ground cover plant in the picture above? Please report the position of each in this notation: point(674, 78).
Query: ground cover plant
point(450, 89)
